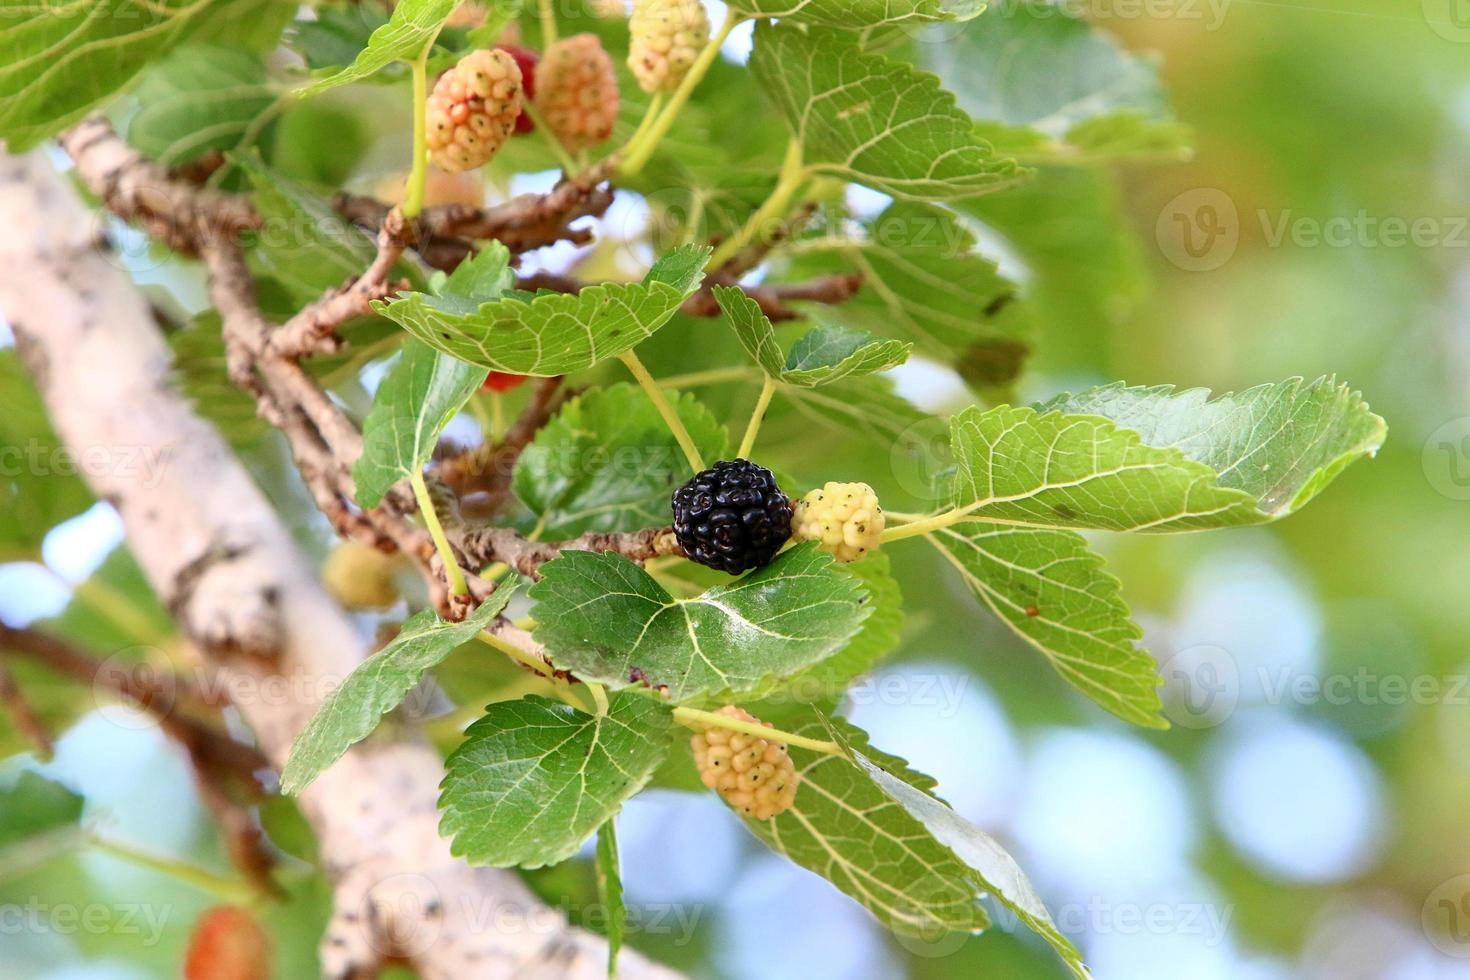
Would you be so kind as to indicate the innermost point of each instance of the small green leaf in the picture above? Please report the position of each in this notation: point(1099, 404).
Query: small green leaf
point(35, 805)
point(58, 62)
point(1053, 591)
point(825, 354)
point(1049, 87)
point(200, 98)
point(610, 891)
point(421, 394)
point(607, 462)
point(1281, 443)
point(994, 869)
point(302, 243)
point(924, 281)
point(535, 778)
point(378, 685)
point(868, 118)
point(550, 333)
point(39, 487)
point(605, 619)
point(412, 28)
point(861, 14)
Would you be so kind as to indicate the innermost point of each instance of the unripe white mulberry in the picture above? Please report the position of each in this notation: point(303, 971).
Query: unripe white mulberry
point(754, 775)
point(666, 38)
point(360, 577)
point(844, 517)
point(577, 91)
point(473, 110)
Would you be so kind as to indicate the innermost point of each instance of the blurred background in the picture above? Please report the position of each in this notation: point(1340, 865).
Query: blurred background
point(1304, 817)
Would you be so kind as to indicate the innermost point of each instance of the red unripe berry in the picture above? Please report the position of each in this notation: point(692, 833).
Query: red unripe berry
point(527, 60)
point(498, 381)
point(228, 944)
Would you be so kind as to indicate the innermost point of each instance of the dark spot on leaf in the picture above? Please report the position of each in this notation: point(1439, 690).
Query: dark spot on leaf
point(1032, 611)
point(1063, 511)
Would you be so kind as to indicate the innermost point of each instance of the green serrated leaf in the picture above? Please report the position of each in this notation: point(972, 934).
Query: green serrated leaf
point(39, 487)
point(549, 334)
point(849, 830)
point(1281, 443)
point(302, 243)
point(200, 98)
point(607, 462)
point(610, 891)
point(378, 685)
point(35, 805)
point(861, 14)
point(408, 33)
point(605, 619)
point(1049, 87)
point(874, 120)
point(421, 394)
point(994, 869)
point(535, 778)
point(1080, 471)
point(1052, 589)
point(825, 354)
point(924, 281)
point(58, 62)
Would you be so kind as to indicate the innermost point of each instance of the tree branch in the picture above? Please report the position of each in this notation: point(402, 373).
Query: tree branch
point(491, 544)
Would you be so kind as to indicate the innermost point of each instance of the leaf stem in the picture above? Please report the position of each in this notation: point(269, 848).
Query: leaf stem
point(436, 531)
point(650, 116)
point(712, 376)
point(793, 173)
point(640, 149)
point(756, 418)
point(925, 525)
point(419, 176)
point(694, 718)
point(548, 24)
point(557, 147)
point(227, 889)
point(671, 417)
point(599, 696)
point(518, 655)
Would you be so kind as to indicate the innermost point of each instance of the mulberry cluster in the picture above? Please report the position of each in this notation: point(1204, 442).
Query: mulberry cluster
point(360, 577)
point(732, 517)
point(666, 37)
point(577, 91)
point(844, 517)
point(753, 775)
point(473, 110)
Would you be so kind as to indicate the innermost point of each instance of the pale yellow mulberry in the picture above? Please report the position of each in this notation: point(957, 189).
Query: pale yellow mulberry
point(473, 110)
point(577, 91)
point(360, 577)
point(666, 37)
point(754, 775)
point(844, 517)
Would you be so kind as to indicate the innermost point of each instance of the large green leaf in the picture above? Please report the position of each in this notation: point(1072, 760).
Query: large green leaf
point(1280, 443)
point(607, 462)
point(994, 869)
point(1018, 466)
point(421, 394)
point(39, 487)
point(378, 685)
point(35, 805)
point(860, 14)
point(874, 120)
point(1052, 589)
point(824, 354)
point(924, 281)
point(549, 333)
point(302, 243)
point(200, 98)
point(535, 778)
point(605, 619)
point(1048, 86)
point(412, 28)
point(849, 830)
point(60, 60)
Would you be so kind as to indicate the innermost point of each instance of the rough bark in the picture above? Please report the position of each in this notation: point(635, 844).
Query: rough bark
point(218, 555)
